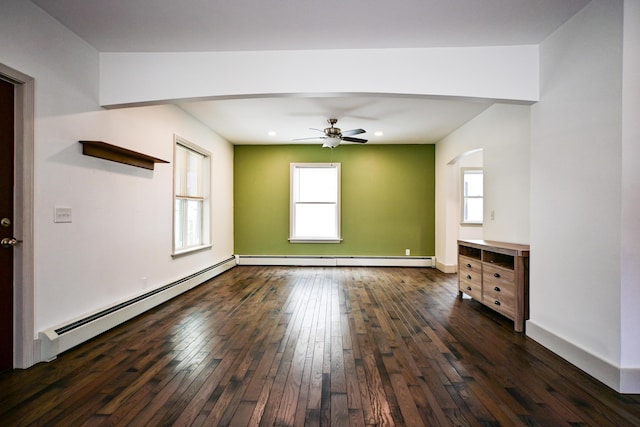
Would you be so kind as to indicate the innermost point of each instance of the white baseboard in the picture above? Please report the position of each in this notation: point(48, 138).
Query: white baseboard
point(333, 261)
point(56, 340)
point(622, 380)
point(446, 268)
point(629, 381)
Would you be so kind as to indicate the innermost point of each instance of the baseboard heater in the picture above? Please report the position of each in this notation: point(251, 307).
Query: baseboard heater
point(363, 261)
point(63, 337)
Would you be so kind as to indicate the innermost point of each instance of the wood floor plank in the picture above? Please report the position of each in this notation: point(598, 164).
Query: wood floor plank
point(265, 392)
point(312, 346)
point(339, 410)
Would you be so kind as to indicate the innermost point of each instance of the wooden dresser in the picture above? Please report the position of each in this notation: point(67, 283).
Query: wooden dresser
point(497, 275)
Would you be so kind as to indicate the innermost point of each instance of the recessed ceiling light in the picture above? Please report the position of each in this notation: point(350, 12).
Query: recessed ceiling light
point(271, 133)
point(379, 133)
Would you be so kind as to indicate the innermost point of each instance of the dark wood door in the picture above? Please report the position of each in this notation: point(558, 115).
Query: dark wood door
point(6, 223)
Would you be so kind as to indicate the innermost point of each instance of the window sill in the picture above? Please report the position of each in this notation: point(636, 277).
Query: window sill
point(188, 251)
point(292, 240)
point(471, 224)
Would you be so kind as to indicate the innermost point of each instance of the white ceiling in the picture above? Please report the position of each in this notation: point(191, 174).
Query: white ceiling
point(408, 120)
point(227, 25)
point(219, 25)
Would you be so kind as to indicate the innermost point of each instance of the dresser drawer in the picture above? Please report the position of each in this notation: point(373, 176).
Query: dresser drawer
point(471, 288)
point(498, 290)
point(469, 265)
point(498, 274)
point(470, 276)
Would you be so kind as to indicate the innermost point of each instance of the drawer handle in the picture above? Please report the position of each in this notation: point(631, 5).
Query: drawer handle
point(468, 288)
point(469, 276)
point(496, 274)
point(497, 289)
point(469, 265)
point(496, 302)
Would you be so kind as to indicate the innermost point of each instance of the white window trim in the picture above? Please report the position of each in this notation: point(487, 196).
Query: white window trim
point(292, 238)
point(206, 206)
point(462, 198)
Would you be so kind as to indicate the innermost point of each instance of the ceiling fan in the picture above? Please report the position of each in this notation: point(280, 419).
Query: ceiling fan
point(333, 136)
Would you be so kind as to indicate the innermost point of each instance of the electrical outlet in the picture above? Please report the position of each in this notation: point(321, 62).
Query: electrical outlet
point(407, 252)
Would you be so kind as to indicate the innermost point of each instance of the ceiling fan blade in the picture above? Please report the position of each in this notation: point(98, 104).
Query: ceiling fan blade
point(353, 132)
point(313, 137)
point(350, 139)
point(319, 130)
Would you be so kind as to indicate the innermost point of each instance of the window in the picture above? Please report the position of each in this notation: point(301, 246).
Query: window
point(472, 196)
point(315, 202)
point(191, 198)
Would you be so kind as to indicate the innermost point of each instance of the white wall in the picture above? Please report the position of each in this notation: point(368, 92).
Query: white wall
point(119, 243)
point(502, 132)
point(500, 72)
point(630, 285)
point(576, 194)
point(121, 229)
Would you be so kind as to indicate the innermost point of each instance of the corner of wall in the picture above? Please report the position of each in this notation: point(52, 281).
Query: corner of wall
point(622, 380)
point(446, 268)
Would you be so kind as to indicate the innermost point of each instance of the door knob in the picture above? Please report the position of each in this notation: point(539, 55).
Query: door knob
point(9, 242)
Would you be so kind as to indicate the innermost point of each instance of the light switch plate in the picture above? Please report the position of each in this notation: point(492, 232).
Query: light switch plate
point(62, 215)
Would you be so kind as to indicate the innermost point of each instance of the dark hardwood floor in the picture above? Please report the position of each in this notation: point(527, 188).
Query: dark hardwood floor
point(314, 346)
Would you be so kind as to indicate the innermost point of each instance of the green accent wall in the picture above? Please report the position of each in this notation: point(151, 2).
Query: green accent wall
point(388, 199)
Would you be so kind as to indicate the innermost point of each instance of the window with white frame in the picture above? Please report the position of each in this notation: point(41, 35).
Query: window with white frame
point(315, 202)
point(191, 197)
point(472, 195)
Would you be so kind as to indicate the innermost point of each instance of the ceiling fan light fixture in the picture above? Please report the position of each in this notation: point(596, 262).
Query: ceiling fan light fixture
point(331, 142)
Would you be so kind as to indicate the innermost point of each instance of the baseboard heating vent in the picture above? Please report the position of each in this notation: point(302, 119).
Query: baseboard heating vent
point(63, 337)
point(364, 261)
